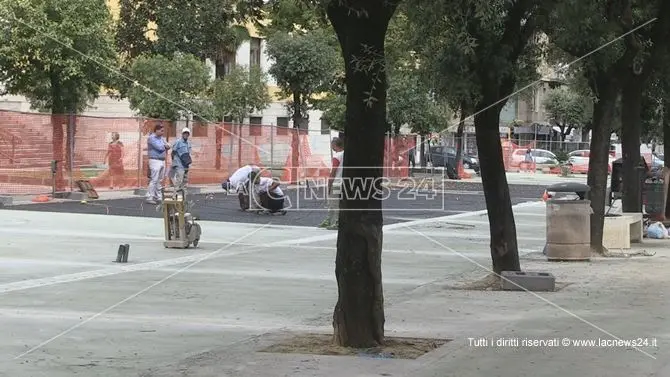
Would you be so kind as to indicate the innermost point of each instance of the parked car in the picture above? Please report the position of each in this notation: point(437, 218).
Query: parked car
point(542, 157)
point(441, 156)
point(580, 161)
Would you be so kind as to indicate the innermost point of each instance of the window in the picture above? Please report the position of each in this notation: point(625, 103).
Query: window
point(170, 130)
point(282, 126)
point(255, 52)
point(228, 125)
point(255, 128)
point(199, 129)
point(325, 127)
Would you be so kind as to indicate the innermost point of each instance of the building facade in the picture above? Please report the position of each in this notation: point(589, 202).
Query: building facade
point(250, 53)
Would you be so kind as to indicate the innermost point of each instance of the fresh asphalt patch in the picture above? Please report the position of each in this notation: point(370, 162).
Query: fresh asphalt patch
point(307, 209)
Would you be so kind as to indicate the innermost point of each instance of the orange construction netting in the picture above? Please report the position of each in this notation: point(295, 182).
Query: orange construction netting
point(111, 153)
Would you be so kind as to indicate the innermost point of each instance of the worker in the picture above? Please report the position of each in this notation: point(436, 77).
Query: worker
point(267, 192)
point(241, 176)
point(239, 181)
point(181, 160)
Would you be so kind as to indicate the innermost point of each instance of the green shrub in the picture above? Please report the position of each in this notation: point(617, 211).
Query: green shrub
point(562, 156)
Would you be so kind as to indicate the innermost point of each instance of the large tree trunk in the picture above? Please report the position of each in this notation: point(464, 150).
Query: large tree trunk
point(666, 131)
point(631, 109)
point(358, 318)
point(603, 115)
point(504, 249)
point(666, 151)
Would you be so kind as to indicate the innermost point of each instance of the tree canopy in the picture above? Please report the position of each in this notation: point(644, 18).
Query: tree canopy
point(166, 88)
point(303, 64)
point(241, 92)
point(208, 29)
point(52, 55)
point(567, 109)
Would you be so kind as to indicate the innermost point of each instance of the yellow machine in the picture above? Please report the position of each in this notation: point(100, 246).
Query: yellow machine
point(181, 230)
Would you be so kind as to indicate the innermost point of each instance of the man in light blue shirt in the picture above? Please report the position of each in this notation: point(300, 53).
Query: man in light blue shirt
point(181, 160)
point(157, 148)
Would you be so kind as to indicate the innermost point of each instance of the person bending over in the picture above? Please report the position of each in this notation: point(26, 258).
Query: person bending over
point(241, 176)
point(269, 194)
point(239, 181)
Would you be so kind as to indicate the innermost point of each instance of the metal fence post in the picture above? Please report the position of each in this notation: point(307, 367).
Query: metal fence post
point(231, 146)
point(70, 132)
point(139, 152)
point(272, 146)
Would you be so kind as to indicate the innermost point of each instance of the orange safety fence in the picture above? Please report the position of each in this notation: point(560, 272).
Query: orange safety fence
point(111, 153)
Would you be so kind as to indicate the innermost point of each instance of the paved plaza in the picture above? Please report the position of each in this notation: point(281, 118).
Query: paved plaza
point(67, 309)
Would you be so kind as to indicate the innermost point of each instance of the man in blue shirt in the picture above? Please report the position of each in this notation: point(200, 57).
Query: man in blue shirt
point(181, 160)
point(157, 148)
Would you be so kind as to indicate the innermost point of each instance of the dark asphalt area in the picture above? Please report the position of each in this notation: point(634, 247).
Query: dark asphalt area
point(399, 205)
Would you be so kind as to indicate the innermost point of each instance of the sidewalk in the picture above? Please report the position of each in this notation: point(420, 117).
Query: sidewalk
point(212, 318)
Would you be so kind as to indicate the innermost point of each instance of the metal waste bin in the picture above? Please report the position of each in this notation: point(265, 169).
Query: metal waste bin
point(568, 224)
point(653, 196)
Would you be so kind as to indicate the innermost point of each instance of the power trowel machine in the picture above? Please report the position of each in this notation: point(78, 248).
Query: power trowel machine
point(181, 230)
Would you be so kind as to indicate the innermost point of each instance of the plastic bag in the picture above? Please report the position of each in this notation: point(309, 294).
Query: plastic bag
point(657, 231)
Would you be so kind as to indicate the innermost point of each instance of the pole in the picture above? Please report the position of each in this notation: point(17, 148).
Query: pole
point(139, 152)
point(239, 146)
point(70, 132)
point(230, 148)
point(272, 146)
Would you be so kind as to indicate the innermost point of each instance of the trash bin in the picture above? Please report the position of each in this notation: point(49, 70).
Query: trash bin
point(569, 224)
point(616, 182)
point(653, 196)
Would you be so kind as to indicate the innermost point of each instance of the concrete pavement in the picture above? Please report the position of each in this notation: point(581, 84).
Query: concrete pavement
point(206, 312)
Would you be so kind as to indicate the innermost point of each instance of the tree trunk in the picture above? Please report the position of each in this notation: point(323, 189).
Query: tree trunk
point(666, 150)
point(504, 249)
point(459, 138)
point(666, 131)
point(295, 139)
point(58, 121)
point(603, 115)
point(422, 151)
point(358, 318)
point(585, 134)
point(565, 131)
point(219, 69)
point(631, 110)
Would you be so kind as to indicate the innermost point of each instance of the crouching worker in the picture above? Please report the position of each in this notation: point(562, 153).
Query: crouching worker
point(239, 182)
point(270, 196)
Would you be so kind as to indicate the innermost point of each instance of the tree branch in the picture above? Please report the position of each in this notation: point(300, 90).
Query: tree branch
point(660, 33)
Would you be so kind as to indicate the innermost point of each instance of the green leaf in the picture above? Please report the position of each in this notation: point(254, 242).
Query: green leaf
point(169, 87)
point(57, 53)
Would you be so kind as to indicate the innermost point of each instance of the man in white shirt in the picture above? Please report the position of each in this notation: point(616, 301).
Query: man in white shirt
point(238, 181)
point(239, 177)
point(334, 187)
point(269, 194)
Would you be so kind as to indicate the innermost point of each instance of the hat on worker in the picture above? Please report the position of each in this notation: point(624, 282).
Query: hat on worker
point(185, 129)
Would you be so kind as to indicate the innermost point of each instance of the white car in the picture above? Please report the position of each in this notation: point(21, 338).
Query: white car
point(540, 156)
